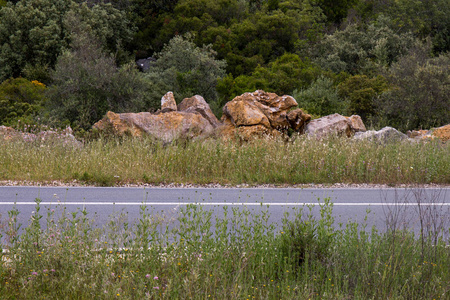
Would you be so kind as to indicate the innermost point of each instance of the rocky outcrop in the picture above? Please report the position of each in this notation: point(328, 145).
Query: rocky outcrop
point(166, 125)
point(168, 102)
point(442, 133)
point(386, 134)
point(64, 137)
point(197, 104)
point(335, 125)
point(260, 113)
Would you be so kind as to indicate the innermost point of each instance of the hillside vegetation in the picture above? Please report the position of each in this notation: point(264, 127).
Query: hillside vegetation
point(67, 62)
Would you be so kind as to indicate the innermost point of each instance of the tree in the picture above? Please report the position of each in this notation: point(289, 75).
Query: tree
point(35, 32)
point(335, 10)
point(186, 70)
point(31, 32)
point(419, 97)
point(357, 50)
point(87, 83)
point(321, 98)
point(361, 92)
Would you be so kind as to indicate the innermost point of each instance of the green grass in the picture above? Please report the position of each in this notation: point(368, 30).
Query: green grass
point(183, 256)
point(268, 161)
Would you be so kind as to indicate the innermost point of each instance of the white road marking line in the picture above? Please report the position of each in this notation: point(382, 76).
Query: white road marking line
point(226, 203)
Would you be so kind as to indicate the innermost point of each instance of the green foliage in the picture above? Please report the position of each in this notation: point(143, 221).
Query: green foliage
point(87, 83)
point(186, 70)
point(306, 239)
point(283, 76)
point(35, 32)
point(31, 32)
point(357, 50)
point(321, 98)
point(361, 93)
point(21, 100)
point(244, 39)
point(420, 94)
point(335, 10)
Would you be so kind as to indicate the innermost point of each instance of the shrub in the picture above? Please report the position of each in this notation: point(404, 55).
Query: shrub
point(361, 91)
point(21, 99)
point(321, 98)
point(87, 83)
point(35, 32)
point(419, 97)
point(358, 50)
point(186, 70)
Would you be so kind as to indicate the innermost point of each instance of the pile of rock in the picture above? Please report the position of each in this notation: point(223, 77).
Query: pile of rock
point(260, 114)
point(251, 115)
point(335, 124)
point(442, 133)
point(65, 136)
point(191, 119)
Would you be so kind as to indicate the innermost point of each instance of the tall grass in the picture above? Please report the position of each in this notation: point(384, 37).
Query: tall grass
point(237, 254)
point(305, 160)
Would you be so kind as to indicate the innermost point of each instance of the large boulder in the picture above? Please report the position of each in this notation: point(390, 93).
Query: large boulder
point(260, 113)
point(164, 126)
point(335, 124)
point(197, 104)
point(384, 135)
point(191, 119)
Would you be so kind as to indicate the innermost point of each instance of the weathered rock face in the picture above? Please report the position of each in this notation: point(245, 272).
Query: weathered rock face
point(164, 126)
point(357, 124)
point(197, 104)
point(335, 124)
point(168, 102)
point(193, 121)
point(64, 137)
point(298, 119)
point(260, 113)
point(386, 134)
point(442, 133)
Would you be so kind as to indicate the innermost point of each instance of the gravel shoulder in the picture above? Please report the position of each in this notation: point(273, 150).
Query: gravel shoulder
point(76, 183)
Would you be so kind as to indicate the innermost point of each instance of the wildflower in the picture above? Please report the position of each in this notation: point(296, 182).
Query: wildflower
point(34, 273)
point(147, 276)
point(53, 270)
point(155, 278)
point(156, 287)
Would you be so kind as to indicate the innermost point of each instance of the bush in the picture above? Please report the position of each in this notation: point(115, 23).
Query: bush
point(21, 99)
point(361, 92)
point(358, 50)
point(306, 239)
point(186, 70)
point(282, 76)
point(87, 83)
point(321, 98)
point(35, 32)
point(420, 94)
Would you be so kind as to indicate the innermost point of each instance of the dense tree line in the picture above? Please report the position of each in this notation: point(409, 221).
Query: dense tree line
point(69, 61)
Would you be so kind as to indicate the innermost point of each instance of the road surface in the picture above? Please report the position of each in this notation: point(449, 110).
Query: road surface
point(365, 206)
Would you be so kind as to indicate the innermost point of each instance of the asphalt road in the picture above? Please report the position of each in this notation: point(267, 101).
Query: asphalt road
point(365, 206)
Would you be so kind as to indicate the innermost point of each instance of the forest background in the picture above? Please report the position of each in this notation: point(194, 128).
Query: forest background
point(67, 62)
